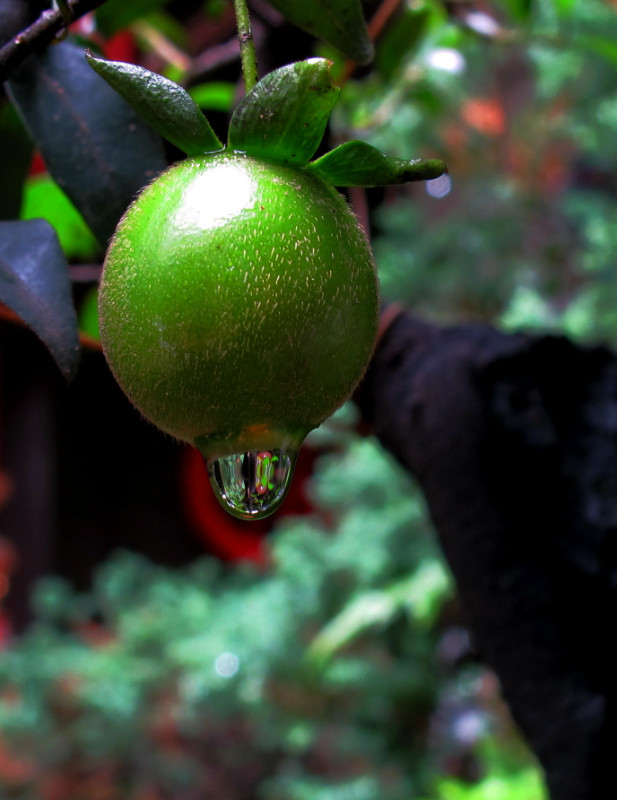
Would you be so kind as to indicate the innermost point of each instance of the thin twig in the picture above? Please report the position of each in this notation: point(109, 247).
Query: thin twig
point(42, 32)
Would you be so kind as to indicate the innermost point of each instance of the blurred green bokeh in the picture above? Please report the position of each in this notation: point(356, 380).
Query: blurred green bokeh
point(43, 199)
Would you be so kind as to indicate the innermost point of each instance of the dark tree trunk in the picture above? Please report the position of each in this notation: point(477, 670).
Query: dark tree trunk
point(513, 440)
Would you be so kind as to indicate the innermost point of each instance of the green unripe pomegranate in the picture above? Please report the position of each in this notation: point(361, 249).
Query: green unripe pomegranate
point(238, 309)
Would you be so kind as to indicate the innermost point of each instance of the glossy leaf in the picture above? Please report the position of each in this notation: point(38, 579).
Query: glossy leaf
point(283, 118)
point(95, 146)
point(34, 283)
point(164, 105)
point(357, 163)
point(339, 22)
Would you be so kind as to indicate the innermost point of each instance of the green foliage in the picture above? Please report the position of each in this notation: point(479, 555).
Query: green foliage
point(523, 786)
point(282, 119)
point(523, 236)
point(214, 96)
point(43, 199)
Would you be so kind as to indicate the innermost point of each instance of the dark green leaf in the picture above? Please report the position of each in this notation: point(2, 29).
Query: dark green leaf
point(397, 46)
point(15, 158)
point(520, 10)
point(283, 118)
point(339, 22)
point(603, 46)
point(164, 105)
point(95, 146)
point(360, 164)
point(34, 283)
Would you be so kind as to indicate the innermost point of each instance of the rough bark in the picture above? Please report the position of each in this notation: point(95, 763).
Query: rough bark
point(513, 440)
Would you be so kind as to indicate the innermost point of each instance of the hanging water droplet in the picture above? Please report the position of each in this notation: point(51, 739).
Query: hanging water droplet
point(252, 485)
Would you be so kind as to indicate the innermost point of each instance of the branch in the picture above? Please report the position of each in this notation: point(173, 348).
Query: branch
point(513, 440)
point(42, 32)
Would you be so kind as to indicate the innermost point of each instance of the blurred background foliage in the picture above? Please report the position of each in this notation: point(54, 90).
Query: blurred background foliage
point(339, 669)
point(332, 663)
point(518, 98)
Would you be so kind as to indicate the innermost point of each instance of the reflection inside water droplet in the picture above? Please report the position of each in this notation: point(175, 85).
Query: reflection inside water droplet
point(252, 485)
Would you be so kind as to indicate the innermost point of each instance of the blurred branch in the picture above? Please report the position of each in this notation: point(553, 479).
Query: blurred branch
point(217, 56)
point(85, 273)
point(214, 57)
point(382, 17)
point(42, 32)
point(161, 45)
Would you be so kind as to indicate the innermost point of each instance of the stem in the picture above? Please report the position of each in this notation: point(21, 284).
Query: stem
point(247, 46)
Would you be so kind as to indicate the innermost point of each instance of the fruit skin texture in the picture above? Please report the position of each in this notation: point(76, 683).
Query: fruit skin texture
point(238, 304)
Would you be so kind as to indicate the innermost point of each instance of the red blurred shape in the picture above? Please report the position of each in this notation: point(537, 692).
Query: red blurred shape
point(38, 165)
point(485, 115)
point(121, 47)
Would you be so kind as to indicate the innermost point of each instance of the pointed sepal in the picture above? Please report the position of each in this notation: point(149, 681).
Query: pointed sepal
point(164, 105)
point(284, 116)
point(357, 163)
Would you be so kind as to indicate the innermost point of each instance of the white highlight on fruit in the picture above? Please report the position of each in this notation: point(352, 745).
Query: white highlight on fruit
point(214, 197)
